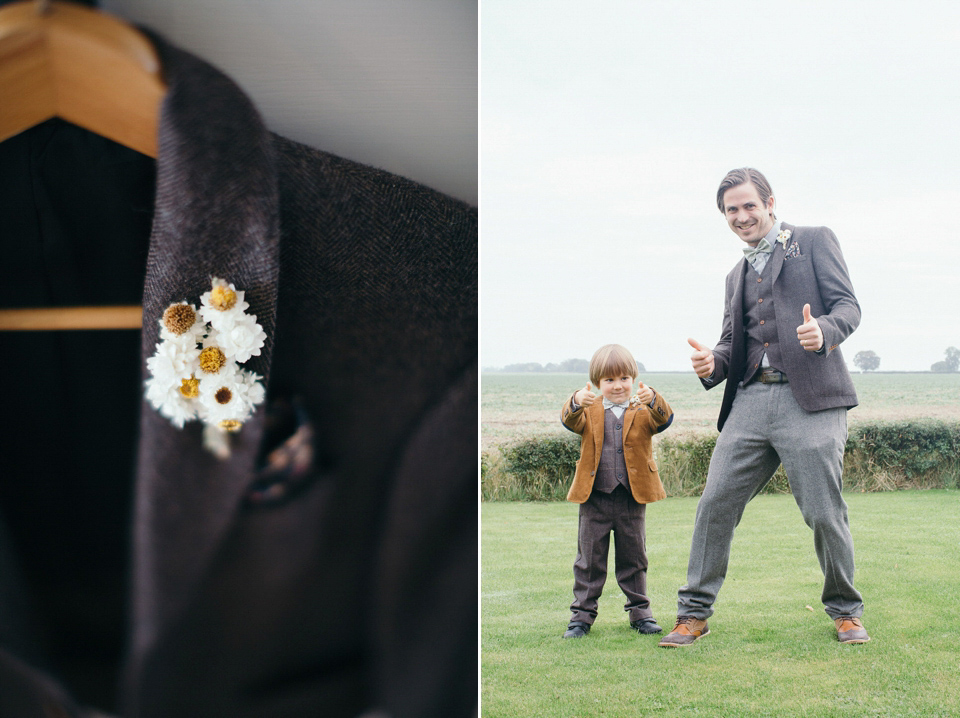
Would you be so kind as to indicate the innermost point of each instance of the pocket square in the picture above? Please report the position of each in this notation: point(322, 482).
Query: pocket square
point(792, 251)
point(288, 466)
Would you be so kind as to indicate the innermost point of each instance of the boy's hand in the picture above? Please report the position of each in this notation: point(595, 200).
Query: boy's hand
point(644, 395)
point(585, 397)
point(809, 333)
point(702, 359)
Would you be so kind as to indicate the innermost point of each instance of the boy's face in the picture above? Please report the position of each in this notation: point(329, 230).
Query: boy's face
point(616, 389)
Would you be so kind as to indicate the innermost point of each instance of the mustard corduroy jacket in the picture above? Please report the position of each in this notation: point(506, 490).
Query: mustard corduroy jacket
point(639, 426)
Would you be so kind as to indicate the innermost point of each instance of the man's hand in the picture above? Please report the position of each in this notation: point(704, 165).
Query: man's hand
point(644, 395)
point(702, 359)
point(584, 397)
point(809, 333)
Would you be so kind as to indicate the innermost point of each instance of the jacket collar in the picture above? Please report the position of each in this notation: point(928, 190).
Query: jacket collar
point(216, 214)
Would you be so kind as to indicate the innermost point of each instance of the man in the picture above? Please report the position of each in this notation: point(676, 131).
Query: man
point(786, 400)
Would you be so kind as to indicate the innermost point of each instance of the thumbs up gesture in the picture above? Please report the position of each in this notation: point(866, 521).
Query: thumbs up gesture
point(585, 397)
point(809, 333)
point(702, 359)
point(643, 395)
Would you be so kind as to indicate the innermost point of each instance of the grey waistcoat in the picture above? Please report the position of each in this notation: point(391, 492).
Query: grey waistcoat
point(612, 469)
point(759, 322)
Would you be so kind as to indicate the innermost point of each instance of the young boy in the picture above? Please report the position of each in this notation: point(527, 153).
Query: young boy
point(616, 478)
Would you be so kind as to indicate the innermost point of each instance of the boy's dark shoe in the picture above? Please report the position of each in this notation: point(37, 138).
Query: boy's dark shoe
point(687, 630)
point(850, 630)
point(577, 629)
point(646, 626)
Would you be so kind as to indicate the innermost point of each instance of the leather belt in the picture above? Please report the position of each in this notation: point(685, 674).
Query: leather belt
point(772, 376)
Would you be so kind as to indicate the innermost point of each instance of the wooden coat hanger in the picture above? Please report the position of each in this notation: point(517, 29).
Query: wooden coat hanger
point(90, 69)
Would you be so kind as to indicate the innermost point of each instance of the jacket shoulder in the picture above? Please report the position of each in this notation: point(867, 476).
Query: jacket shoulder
point(310, 174)
point(812, 233)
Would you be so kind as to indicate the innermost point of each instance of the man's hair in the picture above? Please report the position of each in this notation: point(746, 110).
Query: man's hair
point(740, 176)
point(612, 360)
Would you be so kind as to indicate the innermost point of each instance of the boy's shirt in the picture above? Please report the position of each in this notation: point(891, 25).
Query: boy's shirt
point(640, 423)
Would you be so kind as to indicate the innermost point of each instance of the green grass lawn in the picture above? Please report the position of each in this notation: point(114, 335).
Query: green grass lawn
point(767, 654)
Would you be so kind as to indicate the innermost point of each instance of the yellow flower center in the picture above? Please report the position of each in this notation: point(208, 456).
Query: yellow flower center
point(231, 424)
point(189, 388)
point(223, 395)
point(222, 298)
point(178, 318)
point(212, 360)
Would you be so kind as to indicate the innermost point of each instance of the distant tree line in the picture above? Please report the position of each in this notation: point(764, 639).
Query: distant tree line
point(950, 364)
point(868, 360)
point(573, 366)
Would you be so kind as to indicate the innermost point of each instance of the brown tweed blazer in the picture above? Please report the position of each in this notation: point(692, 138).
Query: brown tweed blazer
point(639, 426)
point(341, 585)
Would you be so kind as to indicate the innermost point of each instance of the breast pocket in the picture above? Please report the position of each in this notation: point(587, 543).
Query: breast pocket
point(287, 465)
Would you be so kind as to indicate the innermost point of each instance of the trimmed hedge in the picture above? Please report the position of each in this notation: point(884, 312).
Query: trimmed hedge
point(879, 456)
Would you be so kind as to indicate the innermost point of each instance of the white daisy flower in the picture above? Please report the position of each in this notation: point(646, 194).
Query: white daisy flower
point(225, 399)
point(173, 402)
point(182, 323)
point(254, 390)
point(241, 339)
point(173, 361)
point(223, 305)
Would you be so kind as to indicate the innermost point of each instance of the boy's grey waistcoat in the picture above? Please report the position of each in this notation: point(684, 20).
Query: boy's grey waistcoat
point(358, 591)
point(814, 274)
point(612, 469)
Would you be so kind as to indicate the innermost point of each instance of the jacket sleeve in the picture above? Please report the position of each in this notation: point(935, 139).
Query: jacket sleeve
point(575, 421)
point(423, 617)
point(836, 291)
point(660, 412)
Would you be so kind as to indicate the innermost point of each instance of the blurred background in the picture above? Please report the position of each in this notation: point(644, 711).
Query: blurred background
point(388, 84)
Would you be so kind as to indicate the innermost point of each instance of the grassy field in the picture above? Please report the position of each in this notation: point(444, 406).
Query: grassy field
point(767, 654)
point(516, 406)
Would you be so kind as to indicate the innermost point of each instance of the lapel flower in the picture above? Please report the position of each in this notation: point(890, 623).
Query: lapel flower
point(784, 237)
point(195, 372)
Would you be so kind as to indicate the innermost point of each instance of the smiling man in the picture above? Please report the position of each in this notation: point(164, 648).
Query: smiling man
point(789, 304)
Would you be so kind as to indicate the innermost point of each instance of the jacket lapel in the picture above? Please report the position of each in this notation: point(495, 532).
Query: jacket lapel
point(629, 415)
point(216, 214)
point(777, 258)
point(596, 417)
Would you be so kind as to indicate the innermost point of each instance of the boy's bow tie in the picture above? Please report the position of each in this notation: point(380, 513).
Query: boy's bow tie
point(607, 404)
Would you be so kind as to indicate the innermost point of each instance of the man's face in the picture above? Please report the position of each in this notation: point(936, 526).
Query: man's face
point(616, 389)
point(748, 217)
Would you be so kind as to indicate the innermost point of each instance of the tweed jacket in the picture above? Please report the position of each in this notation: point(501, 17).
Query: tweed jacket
point(342, 584)
point(809, 270)
point(640, 424)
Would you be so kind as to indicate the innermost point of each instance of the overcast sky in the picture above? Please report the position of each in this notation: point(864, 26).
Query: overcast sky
point(606, 128)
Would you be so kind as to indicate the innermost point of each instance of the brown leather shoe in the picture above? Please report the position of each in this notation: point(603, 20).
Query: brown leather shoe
point(687, 630)
point(850, 630)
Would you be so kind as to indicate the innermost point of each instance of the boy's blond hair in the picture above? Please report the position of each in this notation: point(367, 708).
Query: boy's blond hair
point(612, 360)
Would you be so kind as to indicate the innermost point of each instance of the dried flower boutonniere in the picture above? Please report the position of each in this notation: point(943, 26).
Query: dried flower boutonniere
point(195, 371)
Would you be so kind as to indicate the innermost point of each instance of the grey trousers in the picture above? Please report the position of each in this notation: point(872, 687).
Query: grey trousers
point(599, 515)
point(765, 427)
